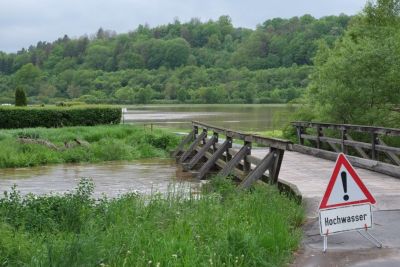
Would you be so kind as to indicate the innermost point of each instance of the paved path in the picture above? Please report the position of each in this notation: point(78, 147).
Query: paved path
point(310, 175)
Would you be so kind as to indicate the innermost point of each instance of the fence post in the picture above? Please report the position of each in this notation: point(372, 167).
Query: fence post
point(246, 162)
point(373, 143)
point(319, 134)
point(344, 147)
point(300, 131)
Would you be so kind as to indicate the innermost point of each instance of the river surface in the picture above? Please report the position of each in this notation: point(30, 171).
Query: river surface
point(111, 178)
point(145, 176)
point(239, 117)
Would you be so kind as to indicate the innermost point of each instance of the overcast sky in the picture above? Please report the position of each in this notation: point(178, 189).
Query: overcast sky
point(25, 22)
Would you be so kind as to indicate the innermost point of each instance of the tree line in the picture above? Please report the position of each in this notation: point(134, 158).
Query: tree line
point(197, 62)
point(357, 80)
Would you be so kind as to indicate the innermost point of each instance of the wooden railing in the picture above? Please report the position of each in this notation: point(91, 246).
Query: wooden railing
point(343, 138)
point(205, 154)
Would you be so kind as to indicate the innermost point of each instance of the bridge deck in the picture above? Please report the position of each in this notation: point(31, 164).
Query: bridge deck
point(311, 176)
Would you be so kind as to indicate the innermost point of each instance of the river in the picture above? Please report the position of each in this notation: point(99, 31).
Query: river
point(111, 178)
point(145, 176)
point(244, 117)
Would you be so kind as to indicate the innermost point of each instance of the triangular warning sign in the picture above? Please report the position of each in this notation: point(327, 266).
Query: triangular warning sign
point(345, 187)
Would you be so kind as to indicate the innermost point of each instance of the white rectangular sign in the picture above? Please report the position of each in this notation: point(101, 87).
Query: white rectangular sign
point(342, 219)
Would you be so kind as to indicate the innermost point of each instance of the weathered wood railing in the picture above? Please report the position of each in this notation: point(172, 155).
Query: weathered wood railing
point(205, 154)
point(375, 150)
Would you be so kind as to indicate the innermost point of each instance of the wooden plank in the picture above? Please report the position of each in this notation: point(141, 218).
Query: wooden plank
point(351, 127)
point(372, 165)
point(200, 154)
point(267, 141)
point(256, 174)
point(358, 149)
point(392, 156)
point(234, 161)
point(213, 159)
point(382, 148)
point(192, 146)
point(186, 140)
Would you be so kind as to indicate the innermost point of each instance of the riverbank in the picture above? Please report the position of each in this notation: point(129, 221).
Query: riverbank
point(225, 227)
point(41, 146)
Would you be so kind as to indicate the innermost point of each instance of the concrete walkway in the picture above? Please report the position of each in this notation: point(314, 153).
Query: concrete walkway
point(310, 177)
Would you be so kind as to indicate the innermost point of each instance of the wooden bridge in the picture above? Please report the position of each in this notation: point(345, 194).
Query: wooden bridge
point(303, 168)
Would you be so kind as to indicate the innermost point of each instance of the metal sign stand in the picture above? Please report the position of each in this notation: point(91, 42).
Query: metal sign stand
point(367, 235)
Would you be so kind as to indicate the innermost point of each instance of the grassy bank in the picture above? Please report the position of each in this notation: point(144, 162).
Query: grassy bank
point(224, 227)
point(100, 143)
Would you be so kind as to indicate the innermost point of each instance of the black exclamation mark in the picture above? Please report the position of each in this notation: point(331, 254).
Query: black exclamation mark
point(344, 182)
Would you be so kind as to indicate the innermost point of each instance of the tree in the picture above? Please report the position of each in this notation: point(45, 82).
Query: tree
point(29, 77)
point(177, 52)
point(20, 97)
point(357, 81)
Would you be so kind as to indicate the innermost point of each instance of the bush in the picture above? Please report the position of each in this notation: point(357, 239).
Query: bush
point(20, 97)
point(28, 117)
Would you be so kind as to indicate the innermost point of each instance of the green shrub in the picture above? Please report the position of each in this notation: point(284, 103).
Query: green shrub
point(27, 117)
point(20, 97)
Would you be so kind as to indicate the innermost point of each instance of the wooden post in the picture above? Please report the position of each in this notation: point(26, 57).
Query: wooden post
point(318, 136)
point(300, 131)
point(373, 143)
point(276, 166)
point(343, 146)
point(228, 155)
point(246, 162)
point(216, 141)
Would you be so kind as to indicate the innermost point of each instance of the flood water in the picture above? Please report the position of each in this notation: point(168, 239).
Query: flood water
point(111, 178)
point(238, 117)
point(145, 176)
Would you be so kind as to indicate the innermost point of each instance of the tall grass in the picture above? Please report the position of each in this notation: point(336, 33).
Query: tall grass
point(106, 143)
point(223, 227)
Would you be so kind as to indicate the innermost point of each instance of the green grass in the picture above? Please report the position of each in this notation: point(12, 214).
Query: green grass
point(223, 227)
point(106, 143)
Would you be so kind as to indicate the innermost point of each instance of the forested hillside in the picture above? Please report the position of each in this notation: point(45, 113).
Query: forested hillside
point(194, 62)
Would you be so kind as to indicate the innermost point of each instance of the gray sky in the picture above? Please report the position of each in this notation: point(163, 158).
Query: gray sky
point(25, 22)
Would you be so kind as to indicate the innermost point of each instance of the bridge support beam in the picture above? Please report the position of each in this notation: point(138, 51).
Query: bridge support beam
point(187, 139)
point(193, 145)
point(265, 164)
point(200, 154)
point(211, 162)
point(234, 161)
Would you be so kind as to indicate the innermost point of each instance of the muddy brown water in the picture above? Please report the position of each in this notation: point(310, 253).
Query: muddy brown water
point(111, 178)
point(145, 176)
point(244, 117)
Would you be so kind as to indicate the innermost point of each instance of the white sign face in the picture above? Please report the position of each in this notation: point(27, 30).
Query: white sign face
point(343, 219)
point(345, 190)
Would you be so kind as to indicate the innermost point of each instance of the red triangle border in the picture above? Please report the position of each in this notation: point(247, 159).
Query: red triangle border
point(342, 161)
